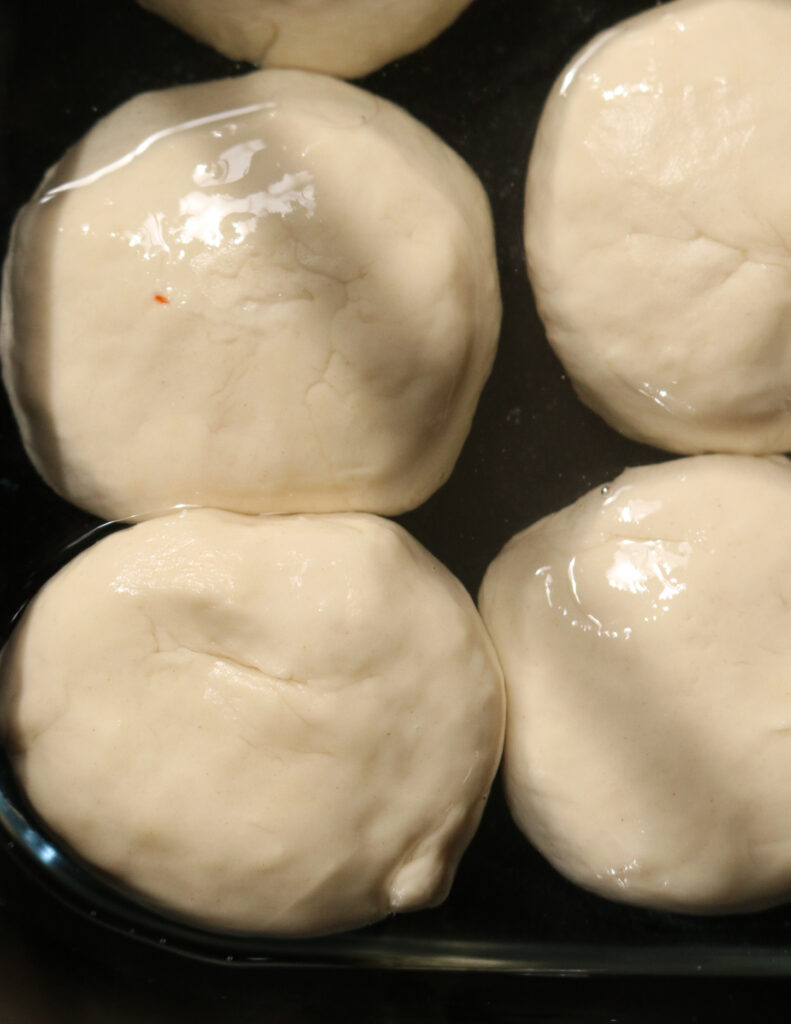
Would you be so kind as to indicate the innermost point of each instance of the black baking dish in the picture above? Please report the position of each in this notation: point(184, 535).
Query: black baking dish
point(533, 449)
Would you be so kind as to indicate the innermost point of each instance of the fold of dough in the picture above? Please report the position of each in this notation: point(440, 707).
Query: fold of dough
point(349, 38)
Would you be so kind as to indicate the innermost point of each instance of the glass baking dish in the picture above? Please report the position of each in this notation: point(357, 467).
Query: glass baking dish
point(533, 449)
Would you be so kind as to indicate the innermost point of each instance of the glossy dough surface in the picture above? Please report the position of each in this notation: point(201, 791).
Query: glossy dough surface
point(284, 725)
point(349, 38)
point(269, 293)
point(645, 636)
point(658, 225)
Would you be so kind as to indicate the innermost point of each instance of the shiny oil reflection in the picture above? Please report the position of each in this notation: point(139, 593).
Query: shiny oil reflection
point(639, 564)
point(621, 582)
point(148, 142)
point(233, 176)
point(215, 218)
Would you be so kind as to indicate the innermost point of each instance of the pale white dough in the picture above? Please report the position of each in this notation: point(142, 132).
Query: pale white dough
point(331, 314)
point(280, 724)
point(658, 225)
point(349, 38)
point(645, 636)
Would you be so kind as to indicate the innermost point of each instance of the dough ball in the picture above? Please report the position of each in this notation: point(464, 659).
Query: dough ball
point(270, 293)
point(281, 725)
point(645, 636)
point(658, 225)
point(349, 38)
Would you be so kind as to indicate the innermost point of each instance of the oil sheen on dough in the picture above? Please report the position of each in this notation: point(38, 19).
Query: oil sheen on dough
point(645, 636)
point(658, 225)
point(286, 725)
point(270, 293)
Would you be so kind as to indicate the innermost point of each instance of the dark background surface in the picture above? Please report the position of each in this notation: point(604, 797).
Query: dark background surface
point(533, 449)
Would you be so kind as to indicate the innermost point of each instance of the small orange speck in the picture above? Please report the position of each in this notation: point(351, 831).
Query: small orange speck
point(162, 298)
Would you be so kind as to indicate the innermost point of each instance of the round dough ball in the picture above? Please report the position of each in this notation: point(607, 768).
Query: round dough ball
point(270, 293)
point(645, 636)
point(349, 38)
point(282, 725)
point(658, 225)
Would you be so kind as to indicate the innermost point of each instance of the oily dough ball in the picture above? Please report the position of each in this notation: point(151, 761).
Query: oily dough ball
point(658, 225)
point(645, 636)
point(349, 38)
point(285, 725)
point(270, 293)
